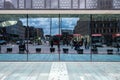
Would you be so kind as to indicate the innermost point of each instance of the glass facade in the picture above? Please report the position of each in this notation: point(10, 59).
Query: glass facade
point(60, 4)
point(60, 37)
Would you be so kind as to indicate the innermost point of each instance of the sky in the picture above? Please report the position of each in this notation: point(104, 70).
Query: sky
point(66, 23)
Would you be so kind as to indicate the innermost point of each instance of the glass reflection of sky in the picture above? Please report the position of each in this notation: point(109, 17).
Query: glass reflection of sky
point(66, 23)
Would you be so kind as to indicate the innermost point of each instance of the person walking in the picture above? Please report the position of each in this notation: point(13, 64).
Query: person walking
point(51, 43)
point(118, 47)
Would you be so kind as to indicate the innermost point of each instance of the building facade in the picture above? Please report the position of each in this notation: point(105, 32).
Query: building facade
point(60, 4)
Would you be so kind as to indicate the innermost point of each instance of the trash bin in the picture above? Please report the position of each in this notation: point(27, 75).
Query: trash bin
point(52, 50)
point(110, 51)
point(21, 49)
point(80, 51)
point(65, 50)
point(9, 50)
point(38, 50)
point(94, 51)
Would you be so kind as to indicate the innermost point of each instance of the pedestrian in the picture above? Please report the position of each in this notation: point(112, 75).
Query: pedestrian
point(0, 48)
point(85, 43)
point(51, 43)
point(118, 47)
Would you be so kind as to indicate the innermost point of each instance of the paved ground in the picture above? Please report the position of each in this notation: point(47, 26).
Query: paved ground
point(60, 71)
point(45, 54)
point(46, 49)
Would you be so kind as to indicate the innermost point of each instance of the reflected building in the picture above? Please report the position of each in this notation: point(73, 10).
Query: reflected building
point(15, 32)
point(1, 4)
point(34, 33)
point(8, 5)
point(82, 27)
point(106, 26)
point(67, 32)
point(105, 4)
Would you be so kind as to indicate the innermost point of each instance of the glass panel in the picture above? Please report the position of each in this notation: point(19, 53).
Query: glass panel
point(116, 4)
point(1, 4)
point(65, 4)
point(48, 2)
point(82, 4)
point(41, 31)
point(54, 4)
point(105, 37)
point(12, 32)
point(21, 4)
point(105, 4)
point(11, 4)
point(91, 4)
point(75, 4)
point(38, 4)
point(75, 40)
point(28, 4)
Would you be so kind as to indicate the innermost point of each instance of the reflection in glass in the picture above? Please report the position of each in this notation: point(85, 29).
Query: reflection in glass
point(1, 4)
point(10, 4)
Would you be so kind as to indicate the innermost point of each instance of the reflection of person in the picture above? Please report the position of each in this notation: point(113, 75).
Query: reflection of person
point(117, 47)
point(58, 45)
point(85, 44)
point(0, 48)
point(51, 43)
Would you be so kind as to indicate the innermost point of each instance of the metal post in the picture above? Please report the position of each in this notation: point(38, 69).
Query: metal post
point(50, 25)
point(27, 36)
point(59, 34)
point(90, 33)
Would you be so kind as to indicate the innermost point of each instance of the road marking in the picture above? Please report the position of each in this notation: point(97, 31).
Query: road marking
point(58, 72)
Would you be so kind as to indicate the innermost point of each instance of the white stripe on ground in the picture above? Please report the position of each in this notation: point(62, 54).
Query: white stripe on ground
point(58, 71)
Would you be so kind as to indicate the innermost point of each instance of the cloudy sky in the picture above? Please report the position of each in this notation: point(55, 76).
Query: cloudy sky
point(66, 23)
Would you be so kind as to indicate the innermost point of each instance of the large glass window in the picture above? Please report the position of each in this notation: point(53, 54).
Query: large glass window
point(59, 37)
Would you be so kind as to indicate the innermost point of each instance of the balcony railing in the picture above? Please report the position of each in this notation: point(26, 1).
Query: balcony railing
point(60, 4)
